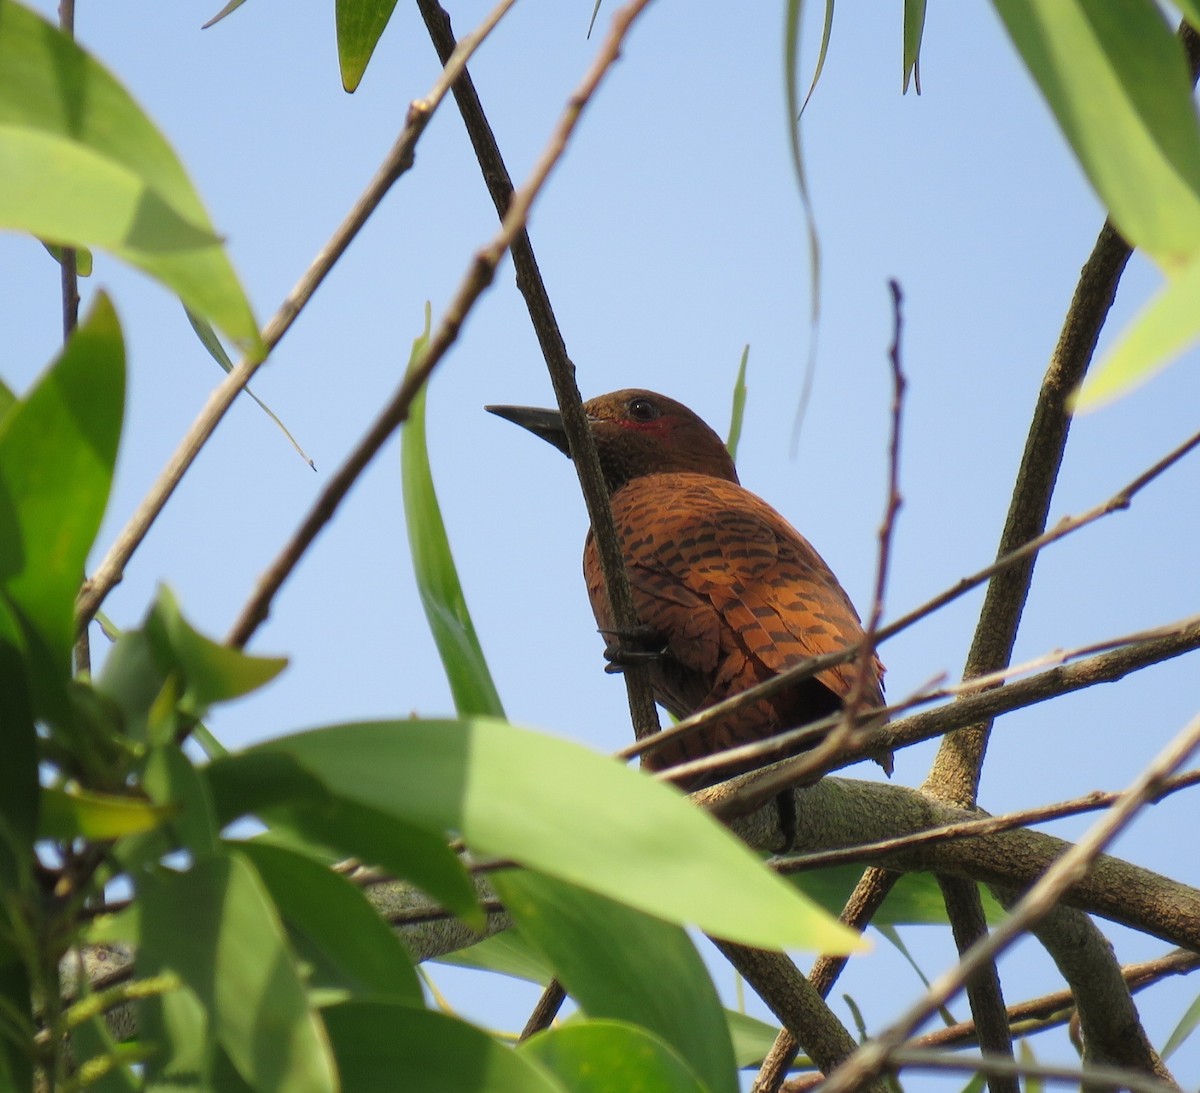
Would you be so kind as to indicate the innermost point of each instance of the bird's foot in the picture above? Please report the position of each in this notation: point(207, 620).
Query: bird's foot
point(631, 648)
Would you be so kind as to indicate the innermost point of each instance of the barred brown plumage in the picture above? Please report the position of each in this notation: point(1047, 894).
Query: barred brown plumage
point(735, 593)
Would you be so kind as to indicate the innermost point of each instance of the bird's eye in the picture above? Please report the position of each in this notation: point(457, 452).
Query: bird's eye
point(642, 409)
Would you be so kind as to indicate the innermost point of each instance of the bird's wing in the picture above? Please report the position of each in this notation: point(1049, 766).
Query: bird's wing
point(719, 571)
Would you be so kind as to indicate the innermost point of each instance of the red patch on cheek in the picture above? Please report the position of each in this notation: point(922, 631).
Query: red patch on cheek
point(660, 426)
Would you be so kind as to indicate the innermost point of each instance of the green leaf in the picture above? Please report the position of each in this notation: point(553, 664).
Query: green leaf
point(1116, 78)
point(7, 399)
point(914, 28)
point(82, 165)
point(235, 958)
point(915, 899)
point(381, 1046)
point(83, 257)
point(610, 1056)
point(16, 1063)
point(212, 344)
point(293, 801)
point(78, 813)
point(739, 406)
point(57, 451)
point(508, 954)
point(822, 53)
point(334, 928)
point(19, 793)
point(359, 25)
point(563, 810)
point(437, 579)
point(599, 949)
point(211, 672)
point(1181, 1032)
point(752, 1039)
point(1167, 326)
point(791, 62)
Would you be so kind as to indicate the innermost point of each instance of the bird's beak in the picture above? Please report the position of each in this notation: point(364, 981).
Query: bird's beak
point(544, 423)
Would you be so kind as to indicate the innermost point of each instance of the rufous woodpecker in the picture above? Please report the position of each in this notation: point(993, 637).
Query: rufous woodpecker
point(732, 592)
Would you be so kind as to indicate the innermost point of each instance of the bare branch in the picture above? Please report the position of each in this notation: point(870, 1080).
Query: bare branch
point(873, 1056)
point(478, 277)
point(112, 567)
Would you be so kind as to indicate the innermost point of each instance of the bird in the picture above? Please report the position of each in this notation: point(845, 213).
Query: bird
point(727, 593)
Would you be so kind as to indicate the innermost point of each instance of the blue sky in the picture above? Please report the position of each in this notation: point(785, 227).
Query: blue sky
point(670, 236)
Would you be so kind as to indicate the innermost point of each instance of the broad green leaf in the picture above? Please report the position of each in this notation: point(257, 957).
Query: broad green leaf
point(559, 809)
point(211, 672)
point(791, 62)
point(235, 958)
point(19, 793)
point(611, 1057)
point(284, 795)
point(132, 679)
point(57, 450)
point(7, 399)
point(359, 25)
point(381, 1046)
point(914, 28)
point(82, 165)
point(507, 953)
point(16, 1065)
point(739, 406)
point(333, 927)
point(599, 948)
point(1115, 76)
point(437, 579)
point(1166, 326)
point(78, 813)
point(212, 344)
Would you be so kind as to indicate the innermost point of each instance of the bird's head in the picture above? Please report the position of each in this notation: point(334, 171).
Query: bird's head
point(637, 433)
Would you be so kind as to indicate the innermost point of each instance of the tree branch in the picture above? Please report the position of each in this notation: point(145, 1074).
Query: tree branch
point(558, 364)
point(112, 567)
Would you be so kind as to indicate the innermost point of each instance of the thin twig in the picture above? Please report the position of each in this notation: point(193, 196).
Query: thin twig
point(545, 1011)
point(561, 371)
point(478, 277)
point(1086, 1077)
point(1127, 652)
point(873, 1057)
point(398, 160)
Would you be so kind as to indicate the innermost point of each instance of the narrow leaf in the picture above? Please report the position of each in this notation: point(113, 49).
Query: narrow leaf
point(210, 341)
point(826, 34)
point(914, 28)
point(228, 9)
point(359, 26)
point(739, 406)
point(437, 578)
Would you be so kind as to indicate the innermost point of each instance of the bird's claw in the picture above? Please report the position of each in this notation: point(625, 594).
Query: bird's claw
point(632, 648)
